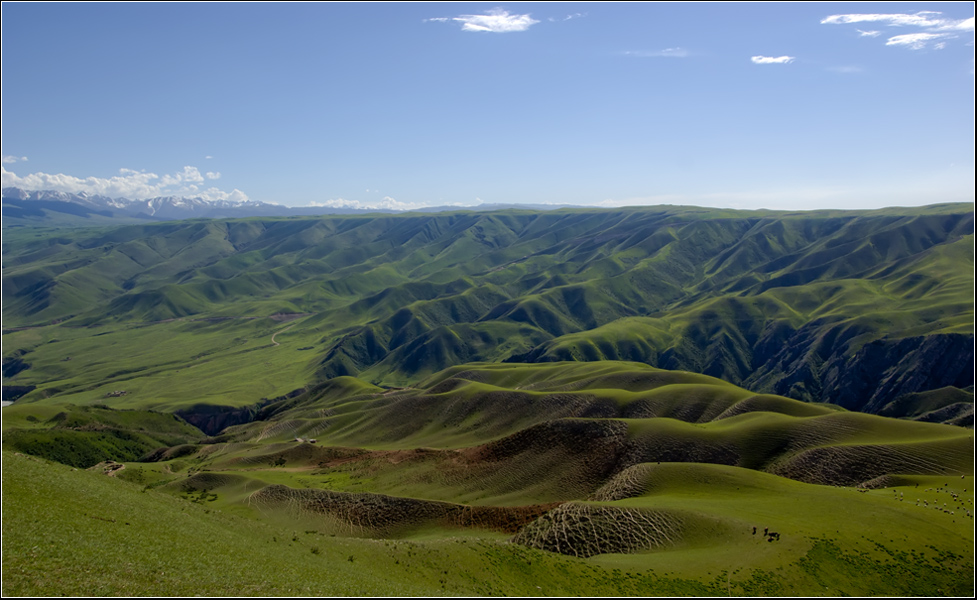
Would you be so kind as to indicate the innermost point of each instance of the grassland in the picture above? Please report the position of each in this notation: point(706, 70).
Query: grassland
point(229, 312)
point(82, 436)
point(601, 478)
point(575, 402)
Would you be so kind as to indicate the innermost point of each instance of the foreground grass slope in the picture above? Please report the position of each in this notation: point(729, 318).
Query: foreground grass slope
point(78, 533)
point(711, 510)
point(809, 305)
point(607, 478)
point(69, 532)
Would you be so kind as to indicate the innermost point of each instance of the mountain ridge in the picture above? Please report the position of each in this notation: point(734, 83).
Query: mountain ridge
point(806, 305)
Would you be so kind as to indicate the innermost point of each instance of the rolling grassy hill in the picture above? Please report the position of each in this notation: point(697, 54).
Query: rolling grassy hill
point(82, 436)
point(859, 308)
point(81, 533)
point(597, 478)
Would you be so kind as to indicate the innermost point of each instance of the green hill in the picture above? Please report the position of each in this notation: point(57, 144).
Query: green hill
point(857, 308)
point(596, 478)
point(82, 436)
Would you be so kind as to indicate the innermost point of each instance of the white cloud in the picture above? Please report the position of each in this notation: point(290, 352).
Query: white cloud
point(567, 18)
point(208, 157)
point(234, 195)
point(964, 25)
point(933, 25)
point(845, 69)
point(496, 20)
point(135, 185)
point(916, 41)
point(666, 53)
point(213, 175)
point(770, 60)
point(920, 19)
point(12, 159)
point(189, 175)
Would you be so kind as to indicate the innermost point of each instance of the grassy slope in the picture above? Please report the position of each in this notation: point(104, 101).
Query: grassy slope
point(522, 434)
point(397, 298)
point(77, 533)
point(514, 435)
point(719, 506)
point(82, 436)
point(502, 437)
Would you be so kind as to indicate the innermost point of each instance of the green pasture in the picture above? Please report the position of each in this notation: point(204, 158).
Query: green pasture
point(396, 299)
point(157, 365)
point(880, 530)
point(81, 533)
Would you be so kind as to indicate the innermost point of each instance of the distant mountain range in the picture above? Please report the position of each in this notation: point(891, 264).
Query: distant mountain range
point(48, 207)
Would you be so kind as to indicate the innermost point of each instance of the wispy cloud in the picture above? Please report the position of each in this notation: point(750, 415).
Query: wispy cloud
point(935, 28)
point(924, 18)
point(847, 69)
point(567, 18)
point(771, 60)
point(8, 160)
point(917, 41)
point(666, 53)
point(496, 20)
point(964, 25)
point(135, 185)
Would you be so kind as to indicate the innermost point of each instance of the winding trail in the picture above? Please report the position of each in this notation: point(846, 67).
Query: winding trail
point(282, 331)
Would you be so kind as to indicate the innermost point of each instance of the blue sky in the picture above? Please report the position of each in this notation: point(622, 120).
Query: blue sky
point(763, 105)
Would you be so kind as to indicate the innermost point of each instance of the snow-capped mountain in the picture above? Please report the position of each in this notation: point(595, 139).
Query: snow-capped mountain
point(178, 207)
point(162, 207)
point(84, 199)
point(50, 205)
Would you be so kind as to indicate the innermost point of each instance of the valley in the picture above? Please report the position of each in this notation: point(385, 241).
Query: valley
point(816, 306)
point(650, 401)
